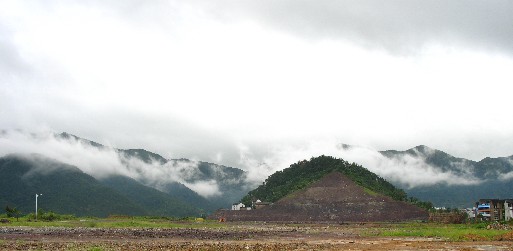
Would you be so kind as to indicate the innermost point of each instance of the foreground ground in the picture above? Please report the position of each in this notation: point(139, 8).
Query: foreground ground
point(132, 234)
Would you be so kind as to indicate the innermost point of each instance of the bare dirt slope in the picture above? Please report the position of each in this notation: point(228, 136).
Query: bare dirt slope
point(334, 198)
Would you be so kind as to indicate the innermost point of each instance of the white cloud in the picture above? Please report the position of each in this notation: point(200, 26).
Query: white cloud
point(104, 162)
point(91, 160)
point(411, 171)
point(406, 170)
point(506, 176)
point(158, 175)
point(197, 79)
point(205, 188)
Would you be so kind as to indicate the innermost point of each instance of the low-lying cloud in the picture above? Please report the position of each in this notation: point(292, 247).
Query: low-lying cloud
point(102, 162)
point(259, 162)
point(506, 176)
point(405, 170)
point(158, 175)
point(509, 175)
point(98, 162)
point(408, 170)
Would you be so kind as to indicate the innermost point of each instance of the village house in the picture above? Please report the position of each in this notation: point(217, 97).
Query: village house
point(238, 206)
point(495, 209)
point(508, 209)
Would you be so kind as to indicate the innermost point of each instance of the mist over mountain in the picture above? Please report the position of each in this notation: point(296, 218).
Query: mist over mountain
point(487, 168)
point(194, 185)
point(280, 81)
point(423, 172)
point(65, 188)
point(488, 178)
point(205, 185)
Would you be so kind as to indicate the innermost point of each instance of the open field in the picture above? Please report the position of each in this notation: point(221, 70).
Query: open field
point(162, 234)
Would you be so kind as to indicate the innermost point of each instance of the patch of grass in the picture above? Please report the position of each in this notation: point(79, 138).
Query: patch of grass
point(369, 192)
point(451, 232)
point(123, 222)
point(91, 224)
point(132, 222)
point(95, 248)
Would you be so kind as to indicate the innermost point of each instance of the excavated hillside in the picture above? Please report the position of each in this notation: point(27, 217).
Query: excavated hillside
point(333, 198)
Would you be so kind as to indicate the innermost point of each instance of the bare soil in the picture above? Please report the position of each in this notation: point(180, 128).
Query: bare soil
point(233, 236)
point(334, 198)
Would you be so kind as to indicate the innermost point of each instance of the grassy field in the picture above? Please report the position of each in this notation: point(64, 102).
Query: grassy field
point(117, 222)
point(158, 233)
point(451, 232)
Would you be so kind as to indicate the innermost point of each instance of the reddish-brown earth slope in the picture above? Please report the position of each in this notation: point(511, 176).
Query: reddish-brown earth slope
point(333, 198)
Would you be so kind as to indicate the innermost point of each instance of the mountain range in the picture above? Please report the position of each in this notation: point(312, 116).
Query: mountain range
point(487, 178)
point(131, 190)
point(139, 182)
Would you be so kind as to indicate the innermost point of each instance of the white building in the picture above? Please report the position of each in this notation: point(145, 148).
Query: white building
point(471, 212)
point(508, 210)
point(238, 206)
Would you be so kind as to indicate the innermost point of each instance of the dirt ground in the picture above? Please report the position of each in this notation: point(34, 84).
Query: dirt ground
point(232, 237)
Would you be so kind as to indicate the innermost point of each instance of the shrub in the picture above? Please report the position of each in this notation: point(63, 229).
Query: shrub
point(50, 216)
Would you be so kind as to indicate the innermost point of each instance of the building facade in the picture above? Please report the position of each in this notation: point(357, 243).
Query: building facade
point(508, 209)
point(494, 209)
point(238, 206)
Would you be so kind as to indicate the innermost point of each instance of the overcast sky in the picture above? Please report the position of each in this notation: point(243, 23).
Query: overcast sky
point(242, 82)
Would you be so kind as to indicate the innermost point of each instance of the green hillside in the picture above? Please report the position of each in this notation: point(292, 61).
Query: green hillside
point(65, 188)
point(155, 202)
point(303, 173)
point(182, 192)
point(231, 181)
point(146, 156)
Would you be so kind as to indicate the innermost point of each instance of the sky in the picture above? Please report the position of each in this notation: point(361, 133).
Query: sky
point(247, 83)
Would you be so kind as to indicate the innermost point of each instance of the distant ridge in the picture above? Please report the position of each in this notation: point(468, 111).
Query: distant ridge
point(492, 177)
point(172, 192)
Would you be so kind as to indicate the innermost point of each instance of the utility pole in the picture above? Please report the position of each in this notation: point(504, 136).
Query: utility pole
point(37, 195)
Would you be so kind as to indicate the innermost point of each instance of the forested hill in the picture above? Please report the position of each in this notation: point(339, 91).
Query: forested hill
point(68, 190)
point(303, 173)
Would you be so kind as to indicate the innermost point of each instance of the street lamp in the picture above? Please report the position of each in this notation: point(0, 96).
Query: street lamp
point(37, 195)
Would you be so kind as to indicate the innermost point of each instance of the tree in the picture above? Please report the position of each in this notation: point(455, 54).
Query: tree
point(13, 212)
